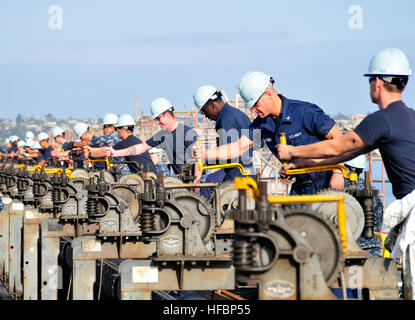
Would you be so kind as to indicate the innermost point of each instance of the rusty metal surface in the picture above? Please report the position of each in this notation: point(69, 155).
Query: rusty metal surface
point(15, 284)
point(31, 228)
point(376, 274)
point(137, 250)
point(140, 277)
point(49, 268)
point(84, 274)
point(4, 240)
point(30, 261)
point(92, 248)
point(165, 239)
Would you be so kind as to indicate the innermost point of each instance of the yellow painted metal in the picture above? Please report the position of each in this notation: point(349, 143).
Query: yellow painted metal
point(382, 237)
point(101, 160)
point(251, 185)
point(346, 174)
point(247, 184)
point(245, 172)
point(349, 176)
point(50, 171)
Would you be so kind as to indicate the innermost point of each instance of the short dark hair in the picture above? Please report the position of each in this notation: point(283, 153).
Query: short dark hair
point(129, 128)
point(397, 84)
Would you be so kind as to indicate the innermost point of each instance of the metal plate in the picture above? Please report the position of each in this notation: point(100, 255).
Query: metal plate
point(323, 238)
point(355, 217)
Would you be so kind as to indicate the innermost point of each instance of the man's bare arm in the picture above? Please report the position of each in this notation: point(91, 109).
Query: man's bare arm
point(81, 144)
point(134, 150)
point(330, 148)
point(323, 149)
point(230, 150)
point(306, 163)
point(97, 152)
point(198, 173)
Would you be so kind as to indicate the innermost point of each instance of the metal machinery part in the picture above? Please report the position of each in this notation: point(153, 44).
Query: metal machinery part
point(179, 214)
point(69, 197)
point(323, 236)
point(172, 180)
point(133, 179)
point(362, 271)
point(172, 230)
point(112, 214)
point(366, 197)
point(201, 213)
point(86, 174)
point(225, 197)
point(186, 173)
point(354, 212)
point(127, 238)
point(272, 253)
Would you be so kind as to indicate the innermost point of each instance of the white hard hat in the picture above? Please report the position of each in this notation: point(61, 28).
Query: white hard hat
point(36, 145)
point(29, 135)
point(14, 139)
point(253, 85)
point(359, 162)
point(20, 144)
point(154, 150)
point(110, 118)
point(29, 143)
point(390, 61)
point(57, 132)
point(203, 94)
point(42, 136)
point(125, 120)
point(158, 106)
point(7, 141)
point(80, 128)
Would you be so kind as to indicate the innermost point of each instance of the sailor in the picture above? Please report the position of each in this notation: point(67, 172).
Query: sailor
point(14, 140)
point(29, 136)
point(28, 147)
point(36, 154)
point(125, 128)
point(20, 153)
point(7, 145)
point(391, 129)
point(155, 154)
point(98, 144)
point(230, 124)
point(303, 122)
point(46, 151)
point(174, 137)
point(58, 135)
point(84, 136)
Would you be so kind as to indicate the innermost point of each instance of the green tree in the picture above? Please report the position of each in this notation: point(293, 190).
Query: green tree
point(50, 117)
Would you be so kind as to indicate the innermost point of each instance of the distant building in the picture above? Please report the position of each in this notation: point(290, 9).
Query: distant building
point(356, 119)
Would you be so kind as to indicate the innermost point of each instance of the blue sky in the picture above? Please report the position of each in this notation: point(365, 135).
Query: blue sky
point(110, 52)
